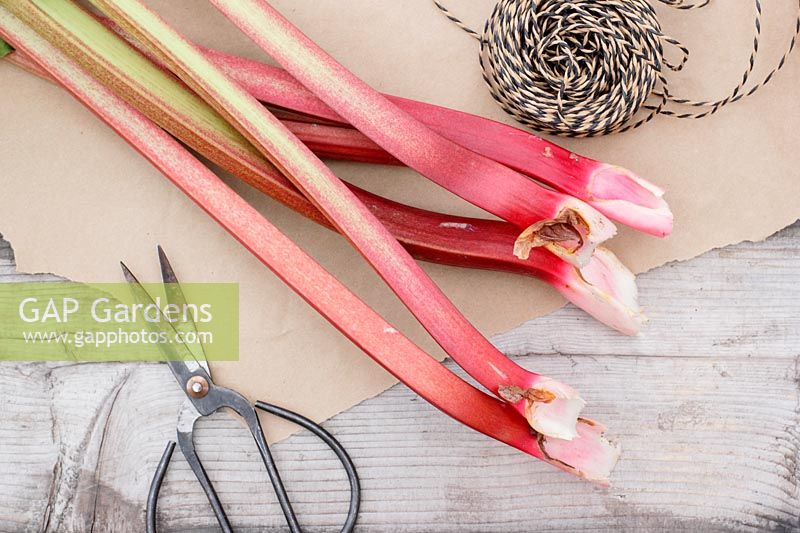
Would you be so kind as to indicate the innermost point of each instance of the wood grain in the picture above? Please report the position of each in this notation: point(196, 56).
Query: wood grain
point(705, 404)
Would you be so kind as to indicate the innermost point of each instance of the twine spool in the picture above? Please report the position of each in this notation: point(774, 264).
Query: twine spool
point(583, 68)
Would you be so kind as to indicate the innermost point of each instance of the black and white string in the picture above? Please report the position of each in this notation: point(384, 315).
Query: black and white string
point(583, 68)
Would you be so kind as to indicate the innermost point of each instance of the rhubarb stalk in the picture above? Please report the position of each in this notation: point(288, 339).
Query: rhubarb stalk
point(567, 226)
point(549, 406)
point(616, 192)
point(334, 142)
point(588, 454)
point(436, 237)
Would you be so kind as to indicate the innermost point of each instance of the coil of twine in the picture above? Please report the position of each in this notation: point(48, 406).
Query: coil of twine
point(583, 68)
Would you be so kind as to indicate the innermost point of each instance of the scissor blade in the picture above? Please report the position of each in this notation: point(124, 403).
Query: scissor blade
point(179, 357)
point(175, 296)
point(168, 273)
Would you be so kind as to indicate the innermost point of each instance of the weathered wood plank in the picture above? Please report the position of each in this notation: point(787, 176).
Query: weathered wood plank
point(705, 453)
point(28, 454)
point(705, 404)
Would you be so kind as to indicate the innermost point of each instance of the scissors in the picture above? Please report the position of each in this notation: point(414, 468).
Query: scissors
point(203, 398)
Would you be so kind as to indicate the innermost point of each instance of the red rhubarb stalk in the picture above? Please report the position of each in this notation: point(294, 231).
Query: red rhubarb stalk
point(567, 226)
point(550, 407)
point(429, 236)
point(335, 142)
point(588, 455)
point(616, 192)
point(642, 209)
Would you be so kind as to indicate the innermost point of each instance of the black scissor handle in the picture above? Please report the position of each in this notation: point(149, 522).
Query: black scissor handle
point(335, 446)
point(155, 486)
point(255, 428)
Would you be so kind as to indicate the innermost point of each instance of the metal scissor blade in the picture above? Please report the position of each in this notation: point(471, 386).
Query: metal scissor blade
point(175, 296)
point(168, 274)
point(179, 357)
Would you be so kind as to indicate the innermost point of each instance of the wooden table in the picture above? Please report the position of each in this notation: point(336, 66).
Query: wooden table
point(705, 405)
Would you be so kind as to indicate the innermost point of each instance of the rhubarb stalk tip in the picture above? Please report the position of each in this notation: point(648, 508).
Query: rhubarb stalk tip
point(550, 407)
point(622, 195)
point(589, 455)
point(605, 289)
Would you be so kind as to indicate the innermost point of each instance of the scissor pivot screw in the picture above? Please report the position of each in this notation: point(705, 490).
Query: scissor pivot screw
point(197, 387)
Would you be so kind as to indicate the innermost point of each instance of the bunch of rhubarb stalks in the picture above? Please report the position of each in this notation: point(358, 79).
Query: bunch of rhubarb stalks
point(270, 126)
